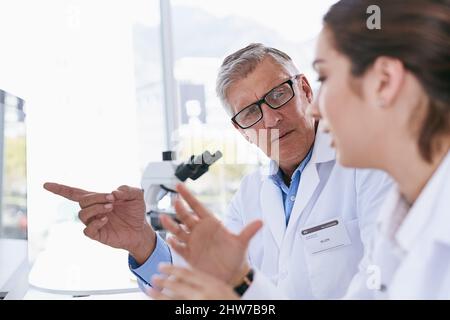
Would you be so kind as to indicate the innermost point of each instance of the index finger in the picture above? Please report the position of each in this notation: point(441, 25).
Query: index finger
point(195, 205)
point(95, 198)
point(67, 192)
point(128, 193)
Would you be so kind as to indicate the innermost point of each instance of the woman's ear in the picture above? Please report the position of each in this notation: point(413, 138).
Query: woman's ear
point(388, 76)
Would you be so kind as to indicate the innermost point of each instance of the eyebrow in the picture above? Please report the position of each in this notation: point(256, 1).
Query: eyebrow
point(279, 81)
point(266, 93)
point(316, 62)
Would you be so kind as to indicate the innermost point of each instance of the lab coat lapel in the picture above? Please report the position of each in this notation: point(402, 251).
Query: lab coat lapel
point(310, 179)
point(273, 210)
point(427, 210)
point(308, 184)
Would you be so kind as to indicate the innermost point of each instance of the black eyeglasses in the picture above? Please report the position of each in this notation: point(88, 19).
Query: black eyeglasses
point(275, 99)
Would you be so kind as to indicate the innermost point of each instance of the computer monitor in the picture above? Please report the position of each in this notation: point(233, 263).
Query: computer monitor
point(13, 190)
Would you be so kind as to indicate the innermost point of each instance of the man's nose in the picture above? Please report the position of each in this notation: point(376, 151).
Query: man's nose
point(271, 116)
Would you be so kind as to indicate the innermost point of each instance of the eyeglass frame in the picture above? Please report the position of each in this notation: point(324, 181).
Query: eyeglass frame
point(290, 81)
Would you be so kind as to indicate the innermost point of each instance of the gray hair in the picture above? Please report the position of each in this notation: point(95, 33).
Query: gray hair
point(239, 64)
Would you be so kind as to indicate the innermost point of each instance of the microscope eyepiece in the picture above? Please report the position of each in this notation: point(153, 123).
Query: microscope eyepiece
point(168, 155)
point(195, 167)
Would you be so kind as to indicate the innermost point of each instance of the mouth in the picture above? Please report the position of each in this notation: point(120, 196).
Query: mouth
point(282, 136)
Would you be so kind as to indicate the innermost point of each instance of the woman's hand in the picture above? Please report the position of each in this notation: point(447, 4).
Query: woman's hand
point(205, 243)
point(187, 284)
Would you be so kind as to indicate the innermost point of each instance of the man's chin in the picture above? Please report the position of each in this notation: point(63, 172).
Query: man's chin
point(284, 149)
point(283, 153)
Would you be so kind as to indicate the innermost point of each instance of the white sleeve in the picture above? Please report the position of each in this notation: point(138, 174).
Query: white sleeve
point(233, 217)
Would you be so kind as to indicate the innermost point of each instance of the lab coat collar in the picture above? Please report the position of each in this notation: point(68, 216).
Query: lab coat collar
point(271, 198)
point(430, 210)
point(441, 224)
point(322, 151)
point(391, 213)
point(271, 202)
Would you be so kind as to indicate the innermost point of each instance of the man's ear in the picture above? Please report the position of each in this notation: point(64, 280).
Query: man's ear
point(306, 87)
point(387, 79)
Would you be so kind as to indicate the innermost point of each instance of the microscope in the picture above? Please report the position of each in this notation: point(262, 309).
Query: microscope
point(159, 180)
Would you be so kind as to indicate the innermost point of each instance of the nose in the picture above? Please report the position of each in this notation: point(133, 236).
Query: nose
point(271, 116)
point(313, 110)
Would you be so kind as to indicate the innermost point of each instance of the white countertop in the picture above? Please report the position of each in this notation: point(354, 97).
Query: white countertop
point(73, 264)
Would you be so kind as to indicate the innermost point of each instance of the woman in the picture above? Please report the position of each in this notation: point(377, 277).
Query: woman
point(384, 99)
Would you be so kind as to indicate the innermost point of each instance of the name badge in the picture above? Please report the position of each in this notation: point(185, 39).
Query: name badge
point(328, 235)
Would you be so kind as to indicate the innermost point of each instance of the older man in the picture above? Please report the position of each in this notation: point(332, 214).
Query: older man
point(318, 216)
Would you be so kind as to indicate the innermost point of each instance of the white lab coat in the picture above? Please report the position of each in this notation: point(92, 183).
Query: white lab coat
point(409, 255)
point(327, 190)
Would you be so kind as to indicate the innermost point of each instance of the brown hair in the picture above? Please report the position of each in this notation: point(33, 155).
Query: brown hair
point(417, 32)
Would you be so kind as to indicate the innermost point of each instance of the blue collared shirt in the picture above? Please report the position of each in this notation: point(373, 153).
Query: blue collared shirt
point(290, 193)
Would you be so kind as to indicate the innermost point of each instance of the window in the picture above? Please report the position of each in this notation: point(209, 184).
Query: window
point(148, 80)
point(13, 179)
point(204, 33)
point(92, 85)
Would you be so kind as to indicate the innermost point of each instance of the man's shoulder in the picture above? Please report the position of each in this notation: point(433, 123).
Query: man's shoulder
point(373, 175)
point(254, 178)
point(362, 174)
